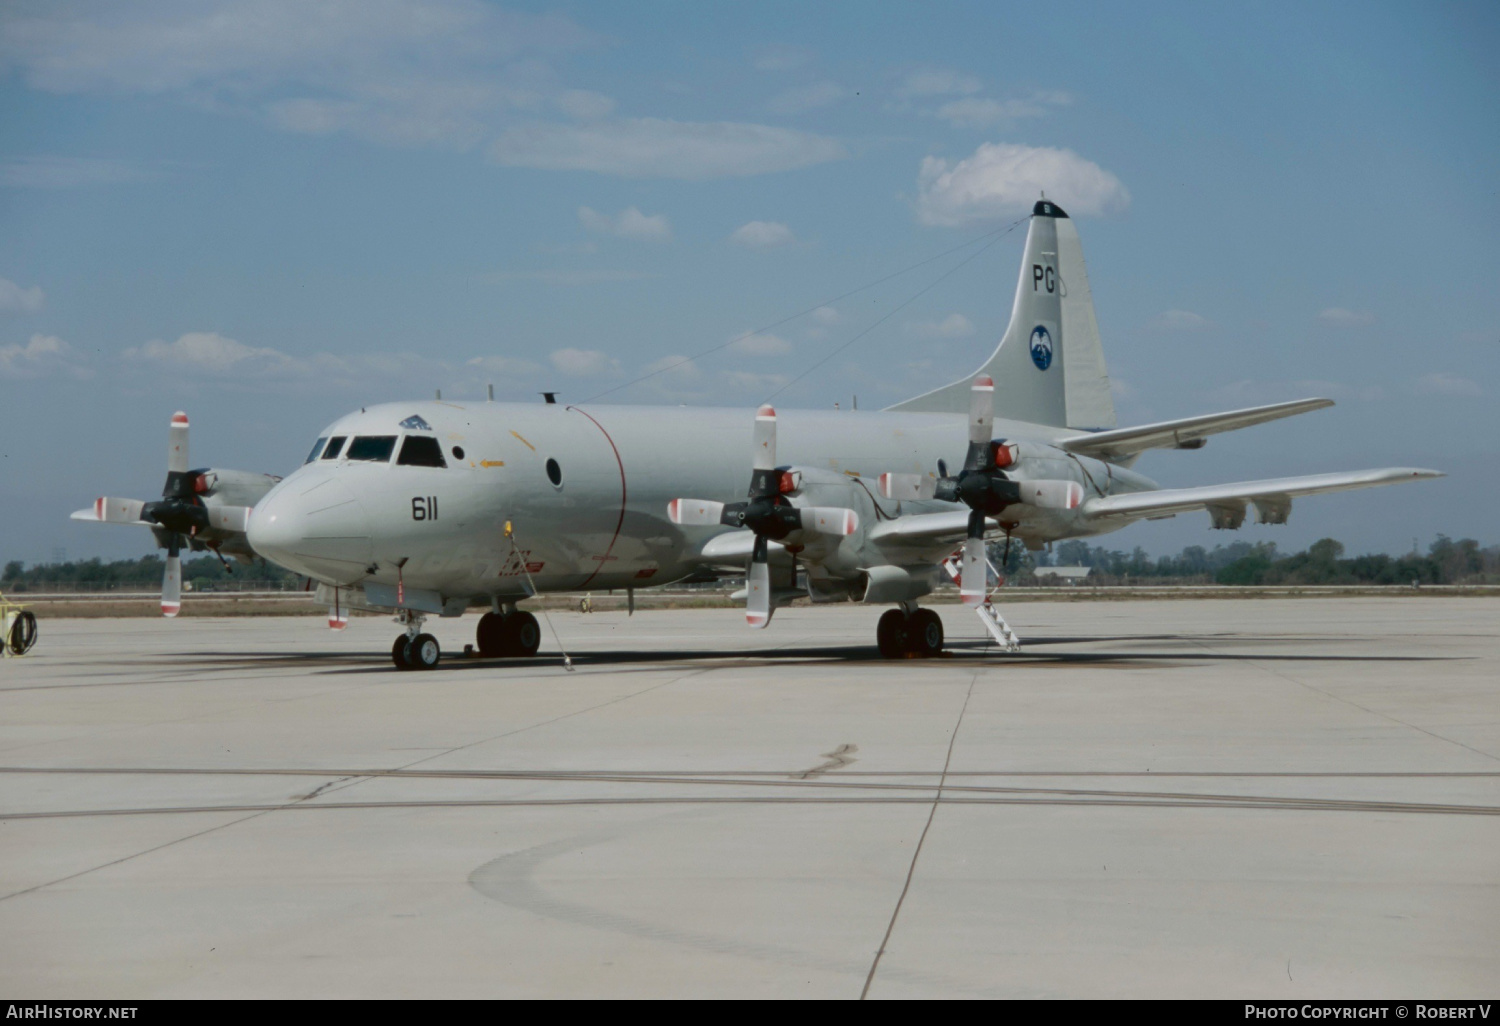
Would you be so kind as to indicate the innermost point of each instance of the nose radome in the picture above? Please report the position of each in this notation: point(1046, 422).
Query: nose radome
point(313, 524)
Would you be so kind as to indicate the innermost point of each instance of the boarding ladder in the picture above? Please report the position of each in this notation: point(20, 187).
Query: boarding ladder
point(988, 614)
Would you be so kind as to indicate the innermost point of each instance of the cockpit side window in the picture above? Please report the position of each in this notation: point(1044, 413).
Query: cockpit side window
point(374, 448)
point(335, 444)
point(421, 451)
point(317, 448)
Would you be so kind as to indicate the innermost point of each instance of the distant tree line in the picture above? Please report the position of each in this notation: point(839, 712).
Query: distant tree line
point(1445, 562)
point(144, 574)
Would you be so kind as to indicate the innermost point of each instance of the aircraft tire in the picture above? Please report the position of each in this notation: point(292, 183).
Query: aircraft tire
point(892, 634)
point(398, 652)
point(424, 652)
point(489, 636)
point(925, 634)
point(521, 635)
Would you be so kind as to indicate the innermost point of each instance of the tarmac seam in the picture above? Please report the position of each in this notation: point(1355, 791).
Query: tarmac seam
point(1373, 712)
point(912, 869)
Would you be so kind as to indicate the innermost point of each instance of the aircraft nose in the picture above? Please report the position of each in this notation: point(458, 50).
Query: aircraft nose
point(313, 524)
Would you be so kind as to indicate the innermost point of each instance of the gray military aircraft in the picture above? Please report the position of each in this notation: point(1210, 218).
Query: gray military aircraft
point(433, 507)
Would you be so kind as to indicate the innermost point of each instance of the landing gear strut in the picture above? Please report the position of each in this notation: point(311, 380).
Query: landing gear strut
point(512, 632)
point(414, 650)
point(909, 631)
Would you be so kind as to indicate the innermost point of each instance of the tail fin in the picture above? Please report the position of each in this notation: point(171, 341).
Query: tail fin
point(1049, 366)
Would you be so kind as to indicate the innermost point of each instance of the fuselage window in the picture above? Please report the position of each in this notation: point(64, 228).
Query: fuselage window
point(317, 448)
point(335, 445)
point(458, 452)
point(554, 473)
point(421, 451)
point(374, 448)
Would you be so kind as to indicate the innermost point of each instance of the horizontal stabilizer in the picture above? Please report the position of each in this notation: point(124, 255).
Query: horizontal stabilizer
point(1268, 493)
point(1123, 443)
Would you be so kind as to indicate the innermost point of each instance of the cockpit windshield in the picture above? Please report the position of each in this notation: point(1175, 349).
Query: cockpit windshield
point(335, 446)
point(374, 448)
point(317, 448)
point(421, 451)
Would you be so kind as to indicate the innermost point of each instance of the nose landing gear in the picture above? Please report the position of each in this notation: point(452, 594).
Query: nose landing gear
point(909, 632)
point(414, 650)
point(512, 632)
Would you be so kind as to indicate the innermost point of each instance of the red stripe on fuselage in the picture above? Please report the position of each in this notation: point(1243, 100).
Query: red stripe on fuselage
point(623, 496)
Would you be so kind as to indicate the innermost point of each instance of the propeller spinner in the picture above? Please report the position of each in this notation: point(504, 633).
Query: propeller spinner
point(983, 485)
point(768, 513)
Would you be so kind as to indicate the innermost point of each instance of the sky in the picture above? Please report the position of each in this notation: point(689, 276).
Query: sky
point(268, 213)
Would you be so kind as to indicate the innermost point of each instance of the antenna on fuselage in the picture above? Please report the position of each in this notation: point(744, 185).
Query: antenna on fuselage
point(491, 389)
point(440, 394)
point(550, 397)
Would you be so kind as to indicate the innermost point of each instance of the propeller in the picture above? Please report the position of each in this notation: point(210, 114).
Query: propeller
point(983, 486)
point(184, 511)
point(768, 513)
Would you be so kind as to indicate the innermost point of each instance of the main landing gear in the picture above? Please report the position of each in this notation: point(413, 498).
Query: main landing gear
point(414, 650)
point(511, 632)
point(909, 631)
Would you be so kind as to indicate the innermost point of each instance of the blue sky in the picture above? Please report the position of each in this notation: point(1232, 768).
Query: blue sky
point(268, 213)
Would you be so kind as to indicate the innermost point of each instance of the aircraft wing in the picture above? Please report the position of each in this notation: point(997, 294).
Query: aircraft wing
point(925, 527)
point(1272, 497)
point(1122, 443)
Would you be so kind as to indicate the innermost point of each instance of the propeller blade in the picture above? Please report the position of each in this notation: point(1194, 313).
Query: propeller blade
point(975, 577)
point(832, 520)
point(758, 587)
point(171, 582)
point(109, 510)
point(765, 438)
point(981, 408)
point(694, 512)
point(177, 444)
point(907, 486)
point(1052, 494)
point(230, 518)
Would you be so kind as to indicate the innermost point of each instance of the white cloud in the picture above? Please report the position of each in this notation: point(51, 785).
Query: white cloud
point(676, 367)
point(1002, 179)
point(762, 235)
point(936, 82)
point(827, 316)
point(1444, 383)
point(955, 325)
point(41, 355)
point(1180, 320)
point(1338, 317)
point(584, 363)
point(594, 276)
point(980, 112)
point(584, 104)
point(659, 148)
point(1250, 392)
point(747, 381)
point(16, 299)
point(630, 223)
point(761, 344)
point(398, 71)
point(211, 354)
point(782, 58)
point(45, 172)
point(805, 98)
point(504, 366)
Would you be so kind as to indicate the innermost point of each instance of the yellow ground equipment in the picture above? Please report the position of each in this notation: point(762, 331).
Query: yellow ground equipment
point(17, 629)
